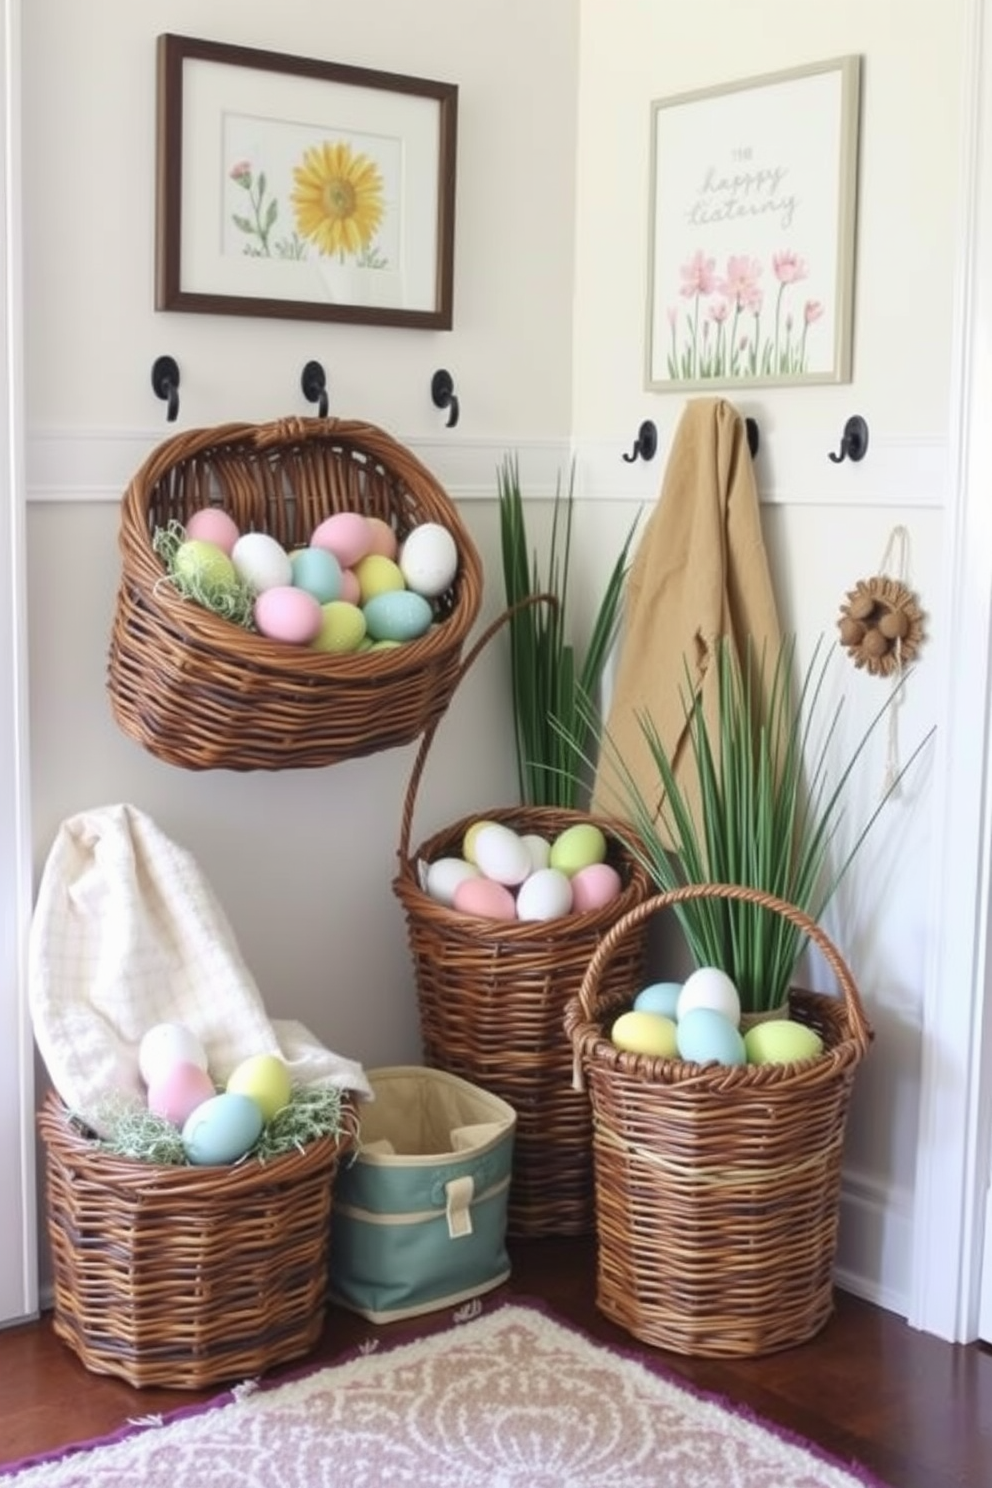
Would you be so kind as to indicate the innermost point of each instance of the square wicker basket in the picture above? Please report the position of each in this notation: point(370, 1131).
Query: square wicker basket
point(187, 1277)
point(201, 692)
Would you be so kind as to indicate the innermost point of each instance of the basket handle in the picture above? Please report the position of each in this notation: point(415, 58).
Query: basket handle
point(859, 1023)
point(427, 740)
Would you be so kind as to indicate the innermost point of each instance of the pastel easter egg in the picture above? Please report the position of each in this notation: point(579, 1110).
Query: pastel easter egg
point(166, 1044)
point(501, 854)
point(351, 590)
point(485, 898)
point(261, 561)
point(704, 1035)
point(545, 894)
point(318, 572)
point(345, 534)
point(471, 837)
point(204, 565)
point(595, 886)
point(399, 615)
point(659, 997)
point(444, 875)
point(384, 539)
point(539, 848)
point(780, 1041)
point(222, 1129)
point(377, 575)
point(429, 559)
point(644, 1033)
point(342, 628)
point(266, 1078)
point(214, 525)
point(285, 613)
point(175, 1091)
point(578, 846)
point(710, 987)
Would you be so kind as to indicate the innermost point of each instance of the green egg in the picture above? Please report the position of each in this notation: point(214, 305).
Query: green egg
point(577, 847)
point(780, 1041)
point(342, 628)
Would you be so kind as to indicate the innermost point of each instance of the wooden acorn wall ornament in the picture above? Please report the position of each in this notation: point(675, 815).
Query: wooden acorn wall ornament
point(881, 625)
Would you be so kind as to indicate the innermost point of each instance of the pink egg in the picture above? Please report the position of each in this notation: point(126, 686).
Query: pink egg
point(176, 1092)
point(384, 539)
point(288, 614)
point(485, 898)
point(594, 886)
point(351, 589)
point(212, 524)
point(345, 534)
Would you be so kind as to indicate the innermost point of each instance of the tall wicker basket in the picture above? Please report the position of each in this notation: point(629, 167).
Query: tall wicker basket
point(187, 1277)
point(199, 691)
point(492, 995)
point(717, 1188)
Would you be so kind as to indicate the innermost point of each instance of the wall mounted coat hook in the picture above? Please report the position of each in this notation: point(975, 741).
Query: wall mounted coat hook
point(753, 440)
point(313, 381)
point(165, 381)
point(646, 443)
point(443, 395)
point(854, 442)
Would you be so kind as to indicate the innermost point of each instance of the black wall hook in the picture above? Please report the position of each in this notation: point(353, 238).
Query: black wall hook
point(646, 443)
point(313, 381)
point(165, 381)
point(753, 441)
point(443, 395)
point(854, 442)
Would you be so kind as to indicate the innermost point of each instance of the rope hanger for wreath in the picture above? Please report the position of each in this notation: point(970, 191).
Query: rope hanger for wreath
point(881, 627)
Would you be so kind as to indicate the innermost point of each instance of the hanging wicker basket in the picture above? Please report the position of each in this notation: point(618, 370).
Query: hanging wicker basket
point(492, 995)
point(717, 1188)
point(187, 1276)
point(201, 692)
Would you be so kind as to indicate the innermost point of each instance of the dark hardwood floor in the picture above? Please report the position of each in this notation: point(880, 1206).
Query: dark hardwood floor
point(914, 1411)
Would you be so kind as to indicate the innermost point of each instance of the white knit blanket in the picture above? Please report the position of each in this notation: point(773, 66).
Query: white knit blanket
point(126, 934)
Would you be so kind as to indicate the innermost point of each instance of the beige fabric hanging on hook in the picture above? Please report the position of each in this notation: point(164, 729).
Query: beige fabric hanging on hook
point(700, 573)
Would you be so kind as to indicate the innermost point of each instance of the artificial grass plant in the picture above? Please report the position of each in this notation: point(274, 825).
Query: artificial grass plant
point(548, 679)
point(769, 809)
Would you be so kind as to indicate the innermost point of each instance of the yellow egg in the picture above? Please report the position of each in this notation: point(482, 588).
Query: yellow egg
point(780, 1041)
point(377, 575)
point(577, 847)
point(342, 628)
point(266, 1079)
point(645, 1033)
point(205, 564)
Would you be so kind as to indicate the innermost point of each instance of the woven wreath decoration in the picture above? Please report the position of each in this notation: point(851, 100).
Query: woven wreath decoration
point(881, 625)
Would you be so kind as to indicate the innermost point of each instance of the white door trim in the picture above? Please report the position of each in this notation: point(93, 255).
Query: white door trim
point(953, 1164)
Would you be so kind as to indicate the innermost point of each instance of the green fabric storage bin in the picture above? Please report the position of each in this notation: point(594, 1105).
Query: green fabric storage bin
point(419, 1214)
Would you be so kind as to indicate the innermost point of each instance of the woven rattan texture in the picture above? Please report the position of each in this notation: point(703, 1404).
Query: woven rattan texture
point(186, 1277)
point(199, 691)
point(717, 1189)
point(492, 995)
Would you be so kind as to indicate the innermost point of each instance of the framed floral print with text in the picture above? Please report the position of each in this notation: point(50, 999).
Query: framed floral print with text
point(752, 230)
point(297, 188)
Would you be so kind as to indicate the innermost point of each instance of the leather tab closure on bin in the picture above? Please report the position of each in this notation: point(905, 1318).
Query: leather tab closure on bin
point(460, 1192)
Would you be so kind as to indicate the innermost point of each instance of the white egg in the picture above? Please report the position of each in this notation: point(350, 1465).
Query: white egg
point(444, 875)
point(262, 562)
point(545, 894)
point(429, 560)
point(501, 854)
point(539, 849)
point(165, 1045)
point(709, 987)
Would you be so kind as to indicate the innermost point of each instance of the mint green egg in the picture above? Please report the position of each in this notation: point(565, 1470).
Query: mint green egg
point(703, 1035)
point(659, 997)
point(397, 615)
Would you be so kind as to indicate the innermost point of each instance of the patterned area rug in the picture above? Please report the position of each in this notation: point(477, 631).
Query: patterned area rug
point(508, 1398)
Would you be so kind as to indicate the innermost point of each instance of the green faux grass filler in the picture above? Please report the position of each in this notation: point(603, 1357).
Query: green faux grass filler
point(133, 1132)
point(233, 601)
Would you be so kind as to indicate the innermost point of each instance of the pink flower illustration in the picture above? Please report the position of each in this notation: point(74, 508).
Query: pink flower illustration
point(741, 282)
point(698, 275)
point(241, 172)
point(788, 267)
point(718, 311)
point(813, 310)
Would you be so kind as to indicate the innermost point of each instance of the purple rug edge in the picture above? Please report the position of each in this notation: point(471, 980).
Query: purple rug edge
point(492, 1304)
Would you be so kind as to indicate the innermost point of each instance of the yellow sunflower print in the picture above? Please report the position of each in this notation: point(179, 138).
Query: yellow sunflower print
point(337, 198)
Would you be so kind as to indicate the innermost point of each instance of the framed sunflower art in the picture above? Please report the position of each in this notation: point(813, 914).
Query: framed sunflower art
point(297, 188)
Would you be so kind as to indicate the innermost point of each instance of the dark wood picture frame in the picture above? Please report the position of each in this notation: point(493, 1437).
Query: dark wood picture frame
point(390, 139)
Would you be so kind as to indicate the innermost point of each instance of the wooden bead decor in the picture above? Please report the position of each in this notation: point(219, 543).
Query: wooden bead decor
point(881, 625)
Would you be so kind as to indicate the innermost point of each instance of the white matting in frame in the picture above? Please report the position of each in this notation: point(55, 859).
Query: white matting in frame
point(752, 231)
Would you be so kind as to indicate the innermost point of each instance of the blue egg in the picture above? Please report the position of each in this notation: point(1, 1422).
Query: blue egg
point(659, 997)
point(702, 1034)
point(318, 572)
point(222, 1129)
point(398, 615)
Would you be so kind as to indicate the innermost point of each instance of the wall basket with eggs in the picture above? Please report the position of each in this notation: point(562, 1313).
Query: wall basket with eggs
point(503, 911)
point(717, 1147)
point(292, 594)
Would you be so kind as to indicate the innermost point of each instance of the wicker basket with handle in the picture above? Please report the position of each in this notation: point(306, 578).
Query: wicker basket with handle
point(492, 994)
point(717, 1187)
point(199, 691)
point(185, 1277)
